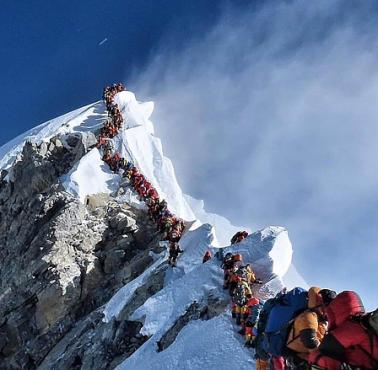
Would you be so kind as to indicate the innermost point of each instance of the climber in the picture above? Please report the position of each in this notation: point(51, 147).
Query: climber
point(240, 295)
point(157, 210)
point(153, 208)
point(229, 262)
point(250, 275)
point(176, 231)
point(254, 308)
point(107, 157)
point(130, 173)
point(114, 162)
point(110, 130)
point(220, 254)
point(141, 189)
point(152, 193)
point(165, 224)
point(234, 273)
point(125, 166)
point(207, 256)
point(227, 265)
point(237, 258)
point(102, 140)
point(174, 251)
point(309, 327)
point(351, 338)
point(118, 120)
point(244, 274)
point(163, 206)
point(239, 236)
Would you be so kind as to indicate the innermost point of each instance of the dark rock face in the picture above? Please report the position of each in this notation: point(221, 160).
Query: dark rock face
point(61, 261)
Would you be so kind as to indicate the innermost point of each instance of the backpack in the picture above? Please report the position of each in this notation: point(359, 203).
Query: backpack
point(254, 314)
point(261, 324)
point(240, 295)
point(369, 322)
point(280, 319)
point(373, 321)
point(242, 272)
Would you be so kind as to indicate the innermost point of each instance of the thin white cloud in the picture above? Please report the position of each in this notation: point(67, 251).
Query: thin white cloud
point(271, 119)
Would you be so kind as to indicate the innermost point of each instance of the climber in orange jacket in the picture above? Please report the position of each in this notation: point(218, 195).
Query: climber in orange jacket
point(240, 296)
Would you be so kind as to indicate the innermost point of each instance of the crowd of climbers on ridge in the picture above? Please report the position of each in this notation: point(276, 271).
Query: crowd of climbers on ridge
point(300, 329)
point(171, 226)
point(297, 329)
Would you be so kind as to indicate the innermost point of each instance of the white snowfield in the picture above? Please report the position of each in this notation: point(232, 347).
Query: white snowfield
point(201, 344)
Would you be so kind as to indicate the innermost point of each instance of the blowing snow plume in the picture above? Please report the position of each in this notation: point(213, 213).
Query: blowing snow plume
point(279, 102)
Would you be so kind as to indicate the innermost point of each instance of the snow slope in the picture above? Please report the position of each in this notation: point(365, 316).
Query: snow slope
point(201, 344)
point(91, 176)
point(88, 118)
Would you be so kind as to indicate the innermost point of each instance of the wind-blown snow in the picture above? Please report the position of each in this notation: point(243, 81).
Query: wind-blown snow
point(224, 230)
point(136, 143)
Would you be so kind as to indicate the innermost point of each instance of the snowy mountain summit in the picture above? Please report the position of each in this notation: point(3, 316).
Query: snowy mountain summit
point(84, 278)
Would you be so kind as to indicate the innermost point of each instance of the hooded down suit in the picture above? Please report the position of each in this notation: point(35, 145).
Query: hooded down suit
point(348, 340)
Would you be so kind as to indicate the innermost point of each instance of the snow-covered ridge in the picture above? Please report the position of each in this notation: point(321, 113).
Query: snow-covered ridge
point(269, 251)
point(136, 142)
point(88, 118)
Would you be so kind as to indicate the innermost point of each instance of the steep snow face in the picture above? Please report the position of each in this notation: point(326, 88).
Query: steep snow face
point(224, 228)
point(137, 144)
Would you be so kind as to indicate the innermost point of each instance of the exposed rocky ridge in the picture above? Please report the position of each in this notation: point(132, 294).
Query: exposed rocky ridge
point(62, 260)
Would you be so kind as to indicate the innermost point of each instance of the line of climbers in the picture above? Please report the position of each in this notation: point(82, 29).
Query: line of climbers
point(297, 329)
point(300, 329)
point(171, 226)
point(239, 280)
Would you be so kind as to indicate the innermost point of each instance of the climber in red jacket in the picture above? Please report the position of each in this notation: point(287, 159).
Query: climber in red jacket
point(238, 237)
point(348, 340)
point(206, 257)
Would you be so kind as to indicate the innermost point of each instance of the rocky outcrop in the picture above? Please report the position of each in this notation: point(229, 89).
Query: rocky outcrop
point(60, 261)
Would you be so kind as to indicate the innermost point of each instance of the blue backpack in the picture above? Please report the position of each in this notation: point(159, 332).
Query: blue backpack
point(281, 316)
point(261, 325)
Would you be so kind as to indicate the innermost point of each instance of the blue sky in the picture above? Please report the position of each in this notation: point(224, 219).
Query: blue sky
point(52, 61)
point(278, 99)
